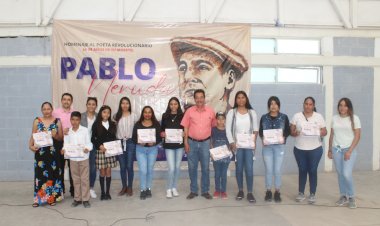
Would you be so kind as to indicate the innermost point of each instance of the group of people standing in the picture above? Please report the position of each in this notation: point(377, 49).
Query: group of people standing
point(203, 129)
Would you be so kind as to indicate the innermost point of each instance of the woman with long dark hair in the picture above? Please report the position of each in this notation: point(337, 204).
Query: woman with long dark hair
point(344, 137)
point(104, 130)
point(47, 169)
point(125, 121)
point(171, 119)
point(273, 122)
point(146, 153)
point(242, 120)
point(308, 127)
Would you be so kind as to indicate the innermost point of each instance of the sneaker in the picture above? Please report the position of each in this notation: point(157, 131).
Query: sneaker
point(342, 201)
point(148, 193)
point(86, 204)
point(175, 192)
point(251, 198)
point(216, 195)
point(224, 195)
point(351, 203)
point(311, 199)
point(277, 196)
point(240, 195)
point(300, 197)
point(76, 203)
point(169, 194)
point(268, 196)
point(143, 195)
point(93, 194)
point(207, 195)
point(192, 195)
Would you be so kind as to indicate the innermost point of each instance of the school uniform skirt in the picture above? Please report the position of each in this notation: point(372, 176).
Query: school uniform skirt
point(103, 162)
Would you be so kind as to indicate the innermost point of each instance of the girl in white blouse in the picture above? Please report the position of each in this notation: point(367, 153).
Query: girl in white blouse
point(344, 137)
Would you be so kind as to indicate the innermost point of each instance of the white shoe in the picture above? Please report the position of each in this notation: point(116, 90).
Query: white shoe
point(169, 194)
point(175, 192)
point(93, 194)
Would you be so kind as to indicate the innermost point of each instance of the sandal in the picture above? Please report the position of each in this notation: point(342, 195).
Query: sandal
point(52, 204)
point(35, 205)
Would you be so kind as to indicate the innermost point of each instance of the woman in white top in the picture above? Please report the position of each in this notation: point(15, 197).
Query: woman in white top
point(125, 121)
point(344, 137)
point(87, 120)
point(308, 127)
point(240, 122)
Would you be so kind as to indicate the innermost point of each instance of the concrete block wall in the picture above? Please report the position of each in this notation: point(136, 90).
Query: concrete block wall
point(356, 83)
point(22, 90)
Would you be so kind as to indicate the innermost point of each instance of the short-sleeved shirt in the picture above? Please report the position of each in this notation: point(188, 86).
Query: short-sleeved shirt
point(80, 136)
point(308, 142)
point(343, 133)
point(199, 121)
point(64, 116)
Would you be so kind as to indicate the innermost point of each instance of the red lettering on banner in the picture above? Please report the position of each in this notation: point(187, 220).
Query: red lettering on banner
point(117, 89)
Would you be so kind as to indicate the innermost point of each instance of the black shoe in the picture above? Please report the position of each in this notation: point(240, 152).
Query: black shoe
point(103, 197)
point(148, 193)
point(192, 195)
point(277, 196)
point(76, 203)
point(207, 195)
point(86, 204)
point(108, 197)
point(251, 198)
point(268, 196)
point(240, 195)
point(143, 195)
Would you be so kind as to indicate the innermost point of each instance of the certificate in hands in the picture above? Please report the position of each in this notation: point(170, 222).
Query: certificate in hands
point(273, 136)
point(310, 129)
point(113, 148)
point(146, 136)
point(74, 151)
point(245, 140)
point(43, 139)
point(174, 136)
point(220, 152)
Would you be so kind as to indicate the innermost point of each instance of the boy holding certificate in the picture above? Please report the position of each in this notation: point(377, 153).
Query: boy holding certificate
point(77, 145)
point(219, 141)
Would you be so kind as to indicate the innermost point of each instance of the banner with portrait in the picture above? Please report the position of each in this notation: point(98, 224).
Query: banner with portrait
point(149, 63)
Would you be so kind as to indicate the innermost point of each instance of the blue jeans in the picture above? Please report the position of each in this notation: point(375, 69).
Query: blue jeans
point(146, 157)
point(174, 158)
point(244, 161)
point(199, 152)
point(273, 156)
point(307, 161)
point(92, 167)
point(126, 164)
point(344, 169)
point(220, 169)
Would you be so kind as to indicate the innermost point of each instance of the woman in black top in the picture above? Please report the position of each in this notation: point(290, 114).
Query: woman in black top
point(146, 150)
point(104, 130)
point(171, 119)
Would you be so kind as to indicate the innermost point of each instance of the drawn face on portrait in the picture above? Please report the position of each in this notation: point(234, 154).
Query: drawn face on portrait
point(207, 64)
point(201, 70)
